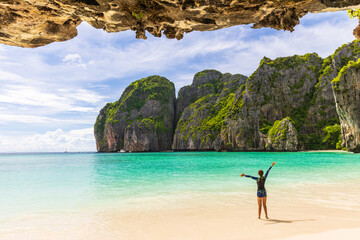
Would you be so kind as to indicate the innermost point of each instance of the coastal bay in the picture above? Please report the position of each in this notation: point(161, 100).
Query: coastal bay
point(187, 195)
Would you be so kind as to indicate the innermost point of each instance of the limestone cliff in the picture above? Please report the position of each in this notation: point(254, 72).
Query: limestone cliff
point(278, 89)
point(206, 102)
point(142, 119)
point(282, 136)
point(34, 23)
point(322, 111)
point(240, 119)
point(287, 104)
point(204, 83)
point(347, 94)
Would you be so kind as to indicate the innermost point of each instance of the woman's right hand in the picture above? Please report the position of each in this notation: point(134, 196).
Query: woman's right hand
point(242, 175)
point(273, 164)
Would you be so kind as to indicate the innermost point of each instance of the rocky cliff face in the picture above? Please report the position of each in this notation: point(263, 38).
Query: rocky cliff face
point(142, 120)
point(297, 88)
point(347, 96)
point(282, 136)
point(287, 104)
point(333, 67)
point(202, 108)
point(204, 83)
point(278, 89)
point(34, 23)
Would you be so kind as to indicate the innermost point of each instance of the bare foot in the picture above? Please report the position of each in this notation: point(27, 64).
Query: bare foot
point(266, 217)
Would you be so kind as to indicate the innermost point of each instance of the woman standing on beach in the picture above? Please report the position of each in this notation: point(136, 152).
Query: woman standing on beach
point(261, 191)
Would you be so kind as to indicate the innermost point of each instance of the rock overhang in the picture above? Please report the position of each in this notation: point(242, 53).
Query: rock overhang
point(35, 23)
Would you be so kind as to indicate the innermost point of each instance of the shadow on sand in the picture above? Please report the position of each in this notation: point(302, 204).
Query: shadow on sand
point(275, 221)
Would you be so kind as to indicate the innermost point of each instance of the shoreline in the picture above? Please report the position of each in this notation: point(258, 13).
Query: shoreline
point(172, 197)
point(168, 151)
point(327, 151)
point(225, 151)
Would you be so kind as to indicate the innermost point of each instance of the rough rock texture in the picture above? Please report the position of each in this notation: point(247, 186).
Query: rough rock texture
point(204, 83)
point(278, 89)
point(142, 120)
point(33, 23)
point(332, 68)
point(287, 104)
point(322, 110)
point(356, 31)
point(347, 95)
point(211, 118)
point(282, 136)
point(206, 102)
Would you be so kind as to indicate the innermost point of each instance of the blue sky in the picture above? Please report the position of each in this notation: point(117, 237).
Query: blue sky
point(50, 96)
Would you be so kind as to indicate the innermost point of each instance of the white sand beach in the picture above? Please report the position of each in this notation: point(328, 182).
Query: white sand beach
point(328, 211)
point(345, 234)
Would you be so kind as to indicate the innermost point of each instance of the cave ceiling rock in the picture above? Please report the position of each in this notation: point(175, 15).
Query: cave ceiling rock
point(34, 23)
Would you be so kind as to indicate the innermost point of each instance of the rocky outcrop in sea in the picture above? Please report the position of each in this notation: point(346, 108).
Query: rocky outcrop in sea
point(202, 108)
point(288, 104)
point(347, 97)
point(141, 120)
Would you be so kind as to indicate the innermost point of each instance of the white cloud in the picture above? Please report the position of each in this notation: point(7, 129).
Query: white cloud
point(58, 100)
point(35, 119)
point(74, 59)
point(51, 141)
point(6, 76)
point(19, 118)
point(322, 38)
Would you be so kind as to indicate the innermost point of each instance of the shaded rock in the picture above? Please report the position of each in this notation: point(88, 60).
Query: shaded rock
point(34, 23)
point(277, 89)
point(356, 32)
point(322, 113)
point(142, 119)
point(206, 103)
point(282, 136)
point(204, 83)
point(347, 95)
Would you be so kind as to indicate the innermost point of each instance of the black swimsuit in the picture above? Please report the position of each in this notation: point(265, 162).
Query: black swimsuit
point(261, 191)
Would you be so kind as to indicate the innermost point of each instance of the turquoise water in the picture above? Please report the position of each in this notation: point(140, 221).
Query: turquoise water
point(32, 183)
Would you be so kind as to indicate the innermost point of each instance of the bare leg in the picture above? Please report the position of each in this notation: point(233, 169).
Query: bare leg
point(259, 203)
point(265, 208)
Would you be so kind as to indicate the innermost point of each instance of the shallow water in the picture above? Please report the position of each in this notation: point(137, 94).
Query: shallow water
point(61, 183)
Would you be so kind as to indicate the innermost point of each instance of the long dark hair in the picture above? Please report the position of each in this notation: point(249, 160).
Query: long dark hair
point(261, 173)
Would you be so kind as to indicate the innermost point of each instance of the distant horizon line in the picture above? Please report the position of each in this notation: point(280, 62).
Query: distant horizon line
point(64, 152)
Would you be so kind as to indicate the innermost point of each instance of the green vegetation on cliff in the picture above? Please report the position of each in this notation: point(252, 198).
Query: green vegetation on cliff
point(120, 116)
point(140, 91)
point(205, 83)
point(261, 103)
point(278, 130)
point(137, 94)
point(291, 62)
point(336, 81)
point(282, 136)
point(201, 122)
point(218, 113)
point(332, 138)
point(287, 102)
